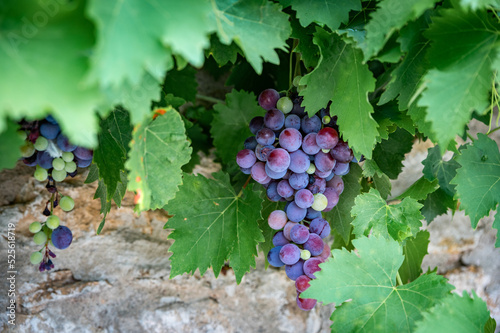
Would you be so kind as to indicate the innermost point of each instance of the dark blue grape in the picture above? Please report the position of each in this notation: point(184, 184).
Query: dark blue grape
point(32, 160)
point(295, 270)
point(279, 239)
point(256, 124)
point(83, 153)
point(62, 237)
point(64, 144)
point(246, 171)
point(310, 125)
point(265, 136)
point(292, 121)
point(312, 214)
point(274, 119)
point(295, 213)
point(273, 257)
point(44, 159)
point(298, 180)
point(51, 120)
point(250, 143)
point(272, 193)
point(297, 109)
point(82, 163)
point(49, 131)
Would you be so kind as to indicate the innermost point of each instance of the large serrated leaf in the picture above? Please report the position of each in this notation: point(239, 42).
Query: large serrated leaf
point(436, 168)
point(414, 250)
point(159, 149)
point(212, 224)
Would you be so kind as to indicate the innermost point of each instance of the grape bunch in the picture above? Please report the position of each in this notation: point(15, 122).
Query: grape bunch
point(55, 158)
point(299, 160)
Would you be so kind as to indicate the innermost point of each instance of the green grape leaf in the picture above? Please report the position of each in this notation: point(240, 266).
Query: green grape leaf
point(268, 206)
point(199, 142)
point(212, 224)
point(326, 12)
point(455, 314)
point(437, 203)
point(158, 150)
point(420, 189)
point(340, 216)
point(182, 83)
point(111, 153)
point(258, 27)
point(183, 26)
point(436, 168)
point(389, 154)
point(368, 278)
point(43, 68)
point(11, 143)
point(373, 214)
point(222, 53)
point(309, 52)
point(496, 225)
point(380, 180)
point(461, 81)
point(414, 250)
point(479, 4)
point(490, 326)
point(230, 124)
point(342, 78)
point(390, 16)
point(478, 178)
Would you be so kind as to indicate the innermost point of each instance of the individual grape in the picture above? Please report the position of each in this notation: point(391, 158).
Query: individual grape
point(299, 162)
point(66, 203)
point(287, 228)
point(58, 175)
point(83, 153)
point(337, 183)
point(36, 258)
point(250, 143)
point(306, 304)
point(324, 175)
point(51, 119)
point(279, 239)
point(302, 283)
point(309, 145)
point(296, 81)
point(58, 164)
point(67, 156)
point(324, 162)
point(52, 222)
point(292, 121)
point(312, 214)
point(44, 160)
point(246, 171)
point(305, 254)
point(70, 167)
point(40, 174)
point(41, 143)
point(265, 136)
point(326, 120)
point(61, 237)
point(32, 160)
point(333, 198)
point(267, 99)
point(329, 177)
point(277, 219)
point(35, 227)
point(274, 119)
point(311, 169)
point(304, 198)
point(49, 130)
point(256, 124)
point(82, 163)
point(289, 254)
point(262, 152)
point(310, 125)
point(259, 174)
point(314, 244)
point(278, 160)
point(316, 184)
point(298, 181)
point(297, 109)
point(326, 253)
point(27, 149)
point(342, 153)
point(274, 175)
point(320, 227)
point(295, 213)
point(40, 238)
point(290, 139)
point(311, 266)
point(284, 189)
point(64, 144)
point(327, 138)
point(246, 158)
point(272, 193)
point(299, 234)
point(295, 270)
point(320, 202)
point(341, 169)
point(284, 104)
point(273, 257)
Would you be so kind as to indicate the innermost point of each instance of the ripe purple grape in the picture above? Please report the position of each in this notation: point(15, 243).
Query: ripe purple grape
point(259, 174)
point(246, 158)
point(82, 163)
point(320, 227)
point(273, 257)
point(299, 234)
point(298, 180)
point(295, 270)
point(326, 175)
point(284, 189)
point(250, 143)
point(309, 125)
point(333, 198)
point(288, 227)
point(265, 136)
point(292, 121)
point(311, 266)
point(61, 237)
point(290, 254)
point(256, 124)
point(299, 161)
point(314, 244)
point(273, 174)
point(302, 283)
point(324, 162)
point(317, 185)
point(262, 152)
point(290, 139)
point(268, 98)
point(337, 183)
point(304, 198)
point(278, 160)
point(341, 169)
point(342, 153)
point(312, 214)
point(327, 138)
point(83, 153)
point(279, 239)
point(295, 213)
point(305, 304)
point(309, 145)
point(272, 193)
point(274, 119)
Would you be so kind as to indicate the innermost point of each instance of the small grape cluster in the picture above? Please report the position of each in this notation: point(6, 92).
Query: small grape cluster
point(300, 160)
point(55, 158)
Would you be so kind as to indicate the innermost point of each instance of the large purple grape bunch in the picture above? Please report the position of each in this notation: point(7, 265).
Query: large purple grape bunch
point(55, 158)
point(299, 160)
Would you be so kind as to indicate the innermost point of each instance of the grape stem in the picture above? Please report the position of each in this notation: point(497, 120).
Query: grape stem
point(244, 186)
point(210, 99)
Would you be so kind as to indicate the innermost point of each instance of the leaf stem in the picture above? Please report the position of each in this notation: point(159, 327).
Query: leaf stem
point(210, 99)
point(244, 186)
point(398, 278)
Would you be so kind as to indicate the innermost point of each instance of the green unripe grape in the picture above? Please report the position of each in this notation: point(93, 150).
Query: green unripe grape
point(22, 134)
point(70, 167)
point(66, 203)
point(311, 169)
point(326, 151)
point(40, 238)
point(35, 227)
point(41, 143)
point(300, 88)
point(67, 156)
point(320, 202)
point(59, 175)
point(305, 254)
point(52, 222)
point(40, 174)
point(296, 81)
point(284, 104)
point(28, 149)
point(58, 164)
point(36, 258)
point(326, 120)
